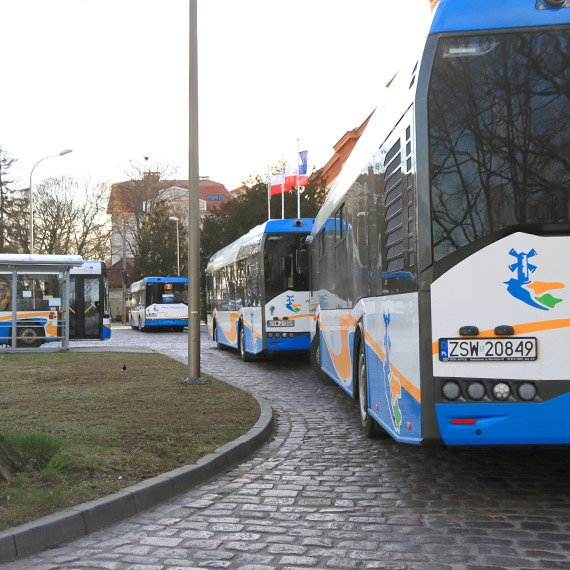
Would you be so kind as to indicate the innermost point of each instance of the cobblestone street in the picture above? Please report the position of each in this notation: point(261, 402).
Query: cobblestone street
point(320, 495)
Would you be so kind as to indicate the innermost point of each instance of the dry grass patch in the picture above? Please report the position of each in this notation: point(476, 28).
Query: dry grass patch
point(89, 428)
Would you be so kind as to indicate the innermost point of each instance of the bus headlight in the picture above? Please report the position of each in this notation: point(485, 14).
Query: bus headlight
point(451, 390)
point(527, 391)
point(501, 391)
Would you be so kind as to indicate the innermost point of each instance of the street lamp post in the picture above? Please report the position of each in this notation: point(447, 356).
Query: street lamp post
point(175, 219)
point(65, 151)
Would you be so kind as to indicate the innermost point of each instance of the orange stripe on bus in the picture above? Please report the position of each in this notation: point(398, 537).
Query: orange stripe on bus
point(341, 361)
point(231, 335)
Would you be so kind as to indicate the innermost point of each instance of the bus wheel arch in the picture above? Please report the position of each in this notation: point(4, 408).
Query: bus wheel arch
point(360, 380)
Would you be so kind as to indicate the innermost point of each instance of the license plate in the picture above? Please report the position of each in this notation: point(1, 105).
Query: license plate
point(462, 349)
point(286, 323)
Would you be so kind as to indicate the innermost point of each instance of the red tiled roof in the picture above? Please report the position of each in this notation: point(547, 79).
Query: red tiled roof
point(115, 273)
point(342, 150)
point(124, 195)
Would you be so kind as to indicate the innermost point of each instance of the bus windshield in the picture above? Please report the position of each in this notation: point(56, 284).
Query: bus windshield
point(165, 293)
point(499, 133)
point(280, 264)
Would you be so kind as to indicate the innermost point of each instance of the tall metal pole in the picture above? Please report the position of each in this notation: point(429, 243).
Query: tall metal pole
point(124, 292)
point(175, 219)
point(193, 208)
point(177, 249)
point(298, 183)
point(63, 152)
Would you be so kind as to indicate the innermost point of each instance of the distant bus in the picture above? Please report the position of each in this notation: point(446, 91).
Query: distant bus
point(37, 297)
point(257, 290)
point(440, 274)
point(158, 302)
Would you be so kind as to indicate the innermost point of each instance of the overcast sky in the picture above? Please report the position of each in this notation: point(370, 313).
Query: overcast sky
point(109, 79)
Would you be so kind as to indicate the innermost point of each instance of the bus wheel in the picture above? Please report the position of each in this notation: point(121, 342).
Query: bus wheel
point(367, 424)
point(29, 337)
point(315, 355)
point(216, 339)
point(242, 352)
point(141, 328)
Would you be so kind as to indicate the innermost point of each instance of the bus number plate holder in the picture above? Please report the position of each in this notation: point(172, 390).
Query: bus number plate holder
point(490, 349)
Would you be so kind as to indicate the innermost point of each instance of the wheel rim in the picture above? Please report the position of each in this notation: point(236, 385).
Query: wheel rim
point(242, 341)
point(28, 335)
point(362, 387)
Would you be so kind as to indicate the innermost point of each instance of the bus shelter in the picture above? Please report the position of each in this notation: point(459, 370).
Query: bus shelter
point(34, 300)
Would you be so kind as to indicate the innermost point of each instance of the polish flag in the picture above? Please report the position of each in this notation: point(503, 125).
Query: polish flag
point(284, 180)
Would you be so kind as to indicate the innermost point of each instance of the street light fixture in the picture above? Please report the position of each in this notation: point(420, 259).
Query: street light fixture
point(175, 219)
point(65, 151)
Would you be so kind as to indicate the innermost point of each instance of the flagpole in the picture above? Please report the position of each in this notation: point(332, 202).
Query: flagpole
point(298, 182)
point(283, 191)
point(268, 193)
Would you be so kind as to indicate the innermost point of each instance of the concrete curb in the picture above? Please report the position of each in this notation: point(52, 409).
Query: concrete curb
point(55, 529)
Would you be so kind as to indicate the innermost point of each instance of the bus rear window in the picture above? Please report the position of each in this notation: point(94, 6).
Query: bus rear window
point(499, 133)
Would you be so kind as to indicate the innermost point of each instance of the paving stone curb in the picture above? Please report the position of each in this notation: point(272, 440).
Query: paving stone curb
point(81, 520)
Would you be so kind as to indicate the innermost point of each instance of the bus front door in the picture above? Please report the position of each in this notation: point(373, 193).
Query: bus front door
point(85, 320)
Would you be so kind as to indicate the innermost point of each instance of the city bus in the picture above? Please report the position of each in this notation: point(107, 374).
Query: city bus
point(38, 290)
point(257, 290)
point(439, 260)
point(158, 303)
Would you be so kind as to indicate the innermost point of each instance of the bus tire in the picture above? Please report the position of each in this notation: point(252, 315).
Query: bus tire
point(141, 327)
point(315, 355)
point(216, 339)
point(31, 337)
point(367, 423)
point(241, 344)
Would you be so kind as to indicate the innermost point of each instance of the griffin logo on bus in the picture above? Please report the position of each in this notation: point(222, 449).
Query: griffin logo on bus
point(536, 293)
point(291, 306)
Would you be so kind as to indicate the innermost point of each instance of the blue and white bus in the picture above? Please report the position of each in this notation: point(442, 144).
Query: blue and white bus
point(440, 259)
point(158, 302)
point(257, 290)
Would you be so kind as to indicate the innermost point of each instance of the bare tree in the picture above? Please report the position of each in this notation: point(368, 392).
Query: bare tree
point(11, 209)
point(70, 218)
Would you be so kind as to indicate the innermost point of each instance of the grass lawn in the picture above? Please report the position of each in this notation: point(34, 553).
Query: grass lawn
point(89, 428)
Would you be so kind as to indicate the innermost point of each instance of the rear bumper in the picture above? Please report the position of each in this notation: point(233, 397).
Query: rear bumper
point(512, 423)
point(302, 342)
